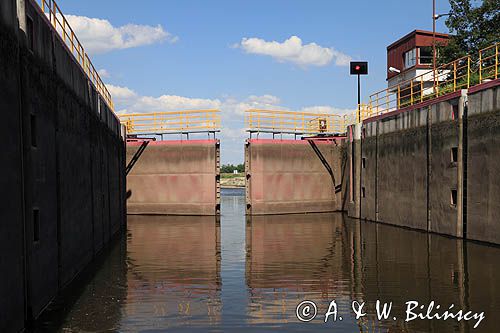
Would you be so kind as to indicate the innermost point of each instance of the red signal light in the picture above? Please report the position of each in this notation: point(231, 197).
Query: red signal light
point(359, 68)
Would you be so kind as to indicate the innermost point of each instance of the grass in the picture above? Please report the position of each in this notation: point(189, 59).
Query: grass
point(231, 175)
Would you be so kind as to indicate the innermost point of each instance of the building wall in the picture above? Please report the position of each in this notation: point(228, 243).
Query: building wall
point(415, 39)
point(286, 176)
point(174, 178)
point(52, 128)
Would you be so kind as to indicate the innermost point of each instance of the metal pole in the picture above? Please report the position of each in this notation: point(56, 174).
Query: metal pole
point(359, 99)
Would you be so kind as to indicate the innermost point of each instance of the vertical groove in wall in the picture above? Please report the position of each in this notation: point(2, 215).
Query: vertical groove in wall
point(217, 178)
point(23, 181)
point(91, 164)
point(248, 176)
point(464, 168)
point(429, 161)
point(360, 167)
point(58, 171)
point(376, 169)
point(109, 188)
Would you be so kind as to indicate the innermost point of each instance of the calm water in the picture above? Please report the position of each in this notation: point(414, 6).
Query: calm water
point(188, 274)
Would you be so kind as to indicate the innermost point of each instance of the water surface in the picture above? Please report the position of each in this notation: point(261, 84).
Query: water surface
point(235, 274)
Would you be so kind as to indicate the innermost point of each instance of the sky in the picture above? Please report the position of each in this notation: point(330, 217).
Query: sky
point(232, 55)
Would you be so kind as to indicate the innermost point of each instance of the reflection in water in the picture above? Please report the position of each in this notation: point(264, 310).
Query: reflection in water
point(291, 258)
point(196, 274)
point(173, 272)
point(322, 257)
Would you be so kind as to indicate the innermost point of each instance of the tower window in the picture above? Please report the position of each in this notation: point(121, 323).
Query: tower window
point(425, 55)
point(410, 58)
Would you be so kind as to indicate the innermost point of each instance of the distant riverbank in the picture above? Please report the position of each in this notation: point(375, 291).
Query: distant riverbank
point(230, 180)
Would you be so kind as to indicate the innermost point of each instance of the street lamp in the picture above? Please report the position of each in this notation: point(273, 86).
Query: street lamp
point(394, 70)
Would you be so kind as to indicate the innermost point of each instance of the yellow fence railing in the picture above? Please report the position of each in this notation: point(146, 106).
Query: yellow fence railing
point(188, 121)
point(447, 78)
point(489, 64)
point(459, 74)
point(276, 121)
point(54, 14)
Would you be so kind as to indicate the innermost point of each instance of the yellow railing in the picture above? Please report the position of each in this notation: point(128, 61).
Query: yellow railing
point(456, 75)
point(54, 14)
point(447, 78)
point(188, 121)
point(489, 63)
point(276, 121)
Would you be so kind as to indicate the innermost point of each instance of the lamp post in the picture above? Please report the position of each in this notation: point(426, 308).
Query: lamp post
point(359, 68)
point(434, 43)
point(435, 17)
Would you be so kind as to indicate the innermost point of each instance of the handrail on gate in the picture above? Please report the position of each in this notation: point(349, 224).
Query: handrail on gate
point(187, 121)
point(280, 121)
point(51, 10)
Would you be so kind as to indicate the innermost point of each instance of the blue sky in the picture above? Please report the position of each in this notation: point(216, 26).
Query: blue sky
point(220, 53)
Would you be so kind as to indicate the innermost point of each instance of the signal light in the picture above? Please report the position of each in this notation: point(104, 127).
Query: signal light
point(359, 68)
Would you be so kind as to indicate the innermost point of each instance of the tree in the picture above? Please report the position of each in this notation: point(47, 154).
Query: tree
point(474, 24)
point(229, 168)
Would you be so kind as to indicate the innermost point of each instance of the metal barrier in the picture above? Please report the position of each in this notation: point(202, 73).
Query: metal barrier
point(447, 78)
point(189, 121)
point(456, 75)
point(54, 14)
point(274, 121)
point(489, 63)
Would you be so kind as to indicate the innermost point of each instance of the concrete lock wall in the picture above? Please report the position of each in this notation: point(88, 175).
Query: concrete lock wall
point(482, 177)
point(62, 166)
point(175, 178)
point(12, 292)
point(287, 176)
point(433, 167)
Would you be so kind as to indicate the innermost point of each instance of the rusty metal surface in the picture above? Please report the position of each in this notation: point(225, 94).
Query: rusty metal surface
point(286, 176)
point(174, 178)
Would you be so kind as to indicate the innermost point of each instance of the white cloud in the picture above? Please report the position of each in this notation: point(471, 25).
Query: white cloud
point(233, 131)
point(122, 95)
point(326, 109)
point(293, 50)
point(128, 101)
point(100, 36)
point(232, 106)
point(103, 73)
